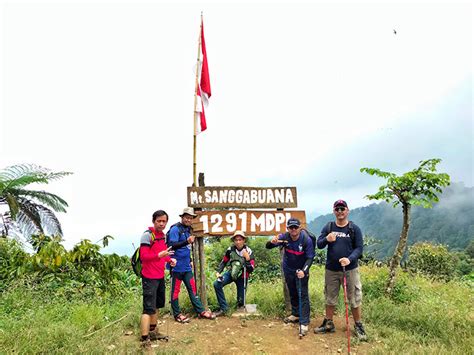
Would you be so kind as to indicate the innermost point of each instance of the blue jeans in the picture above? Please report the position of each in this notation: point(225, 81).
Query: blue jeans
point(293, 284)
point(219, 288)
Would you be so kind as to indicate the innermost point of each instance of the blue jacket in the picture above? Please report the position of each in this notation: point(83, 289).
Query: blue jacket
point(178, 234)
point(343, 247)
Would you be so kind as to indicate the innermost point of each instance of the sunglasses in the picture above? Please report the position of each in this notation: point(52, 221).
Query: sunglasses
point(340, 209)
point(293, 227)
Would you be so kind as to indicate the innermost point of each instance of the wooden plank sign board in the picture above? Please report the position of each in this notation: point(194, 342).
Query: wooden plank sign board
point(242, 197)
point(221, 223)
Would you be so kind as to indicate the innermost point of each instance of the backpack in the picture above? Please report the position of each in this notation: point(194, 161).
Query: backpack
point(180, 229)
point(236, 265)
point(307, 234)
point(330, 225)
point(135, 259)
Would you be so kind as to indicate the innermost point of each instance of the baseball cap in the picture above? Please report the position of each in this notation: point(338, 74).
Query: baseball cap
point(293, 222)
point(340, 203)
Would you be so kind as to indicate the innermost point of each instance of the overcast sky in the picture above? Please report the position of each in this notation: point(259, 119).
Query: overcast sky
point(302, 95)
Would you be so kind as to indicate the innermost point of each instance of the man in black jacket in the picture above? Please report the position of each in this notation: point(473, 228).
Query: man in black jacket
point(345, 243)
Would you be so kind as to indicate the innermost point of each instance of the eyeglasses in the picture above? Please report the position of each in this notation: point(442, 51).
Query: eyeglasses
point(340, 209)
point(293, 227)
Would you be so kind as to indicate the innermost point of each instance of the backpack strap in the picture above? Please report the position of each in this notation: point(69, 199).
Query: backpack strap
point(305, 237)
point(329, 226)
point(352, 232)
point(350, 225)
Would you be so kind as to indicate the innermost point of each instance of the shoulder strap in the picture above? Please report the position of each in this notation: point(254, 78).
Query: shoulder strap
point(329, 226)
point(352, 232)
point(153, 237)
point(305, 237)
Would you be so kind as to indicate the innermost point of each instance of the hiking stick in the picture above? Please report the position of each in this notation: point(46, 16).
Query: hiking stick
point(299, 304)
point(245, 287)
point(171, 299)
point(347, 311)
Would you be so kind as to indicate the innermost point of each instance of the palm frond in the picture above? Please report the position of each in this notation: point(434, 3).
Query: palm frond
point(29, 219)
point(51, 200)
point(49, 221)
point(12, 203)
point(17, 176)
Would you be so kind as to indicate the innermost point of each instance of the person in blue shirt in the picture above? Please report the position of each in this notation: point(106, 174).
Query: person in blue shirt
point(297, 259)
point(345, 244)
point(180, 240)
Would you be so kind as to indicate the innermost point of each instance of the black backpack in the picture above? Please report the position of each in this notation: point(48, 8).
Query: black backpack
point(135, 259)
point(330, 225)
point(180, 229)
point(306, 234)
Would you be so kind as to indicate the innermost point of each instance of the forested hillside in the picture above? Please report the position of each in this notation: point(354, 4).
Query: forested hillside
point(449, 222)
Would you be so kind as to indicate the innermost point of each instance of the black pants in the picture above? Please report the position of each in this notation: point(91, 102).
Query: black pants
point(293, 283)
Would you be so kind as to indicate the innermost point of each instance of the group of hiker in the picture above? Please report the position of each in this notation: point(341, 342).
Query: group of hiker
point(158, 251)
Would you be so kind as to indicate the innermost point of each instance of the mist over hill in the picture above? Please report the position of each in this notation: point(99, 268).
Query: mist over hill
point(449, 222)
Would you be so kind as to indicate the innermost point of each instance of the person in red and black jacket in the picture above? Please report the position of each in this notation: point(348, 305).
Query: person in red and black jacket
point(241, 260)
point(154, 254)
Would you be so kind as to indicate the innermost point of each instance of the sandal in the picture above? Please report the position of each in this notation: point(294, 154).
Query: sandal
point(181, 318)
point(207, 315)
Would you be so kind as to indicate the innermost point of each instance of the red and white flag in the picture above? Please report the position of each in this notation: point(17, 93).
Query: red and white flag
point(203, 89)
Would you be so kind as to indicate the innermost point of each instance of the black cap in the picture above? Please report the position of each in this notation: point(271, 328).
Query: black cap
point(340, 203)
point(293, 222)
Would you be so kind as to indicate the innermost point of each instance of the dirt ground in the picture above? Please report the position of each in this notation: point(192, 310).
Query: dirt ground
point(229, 335)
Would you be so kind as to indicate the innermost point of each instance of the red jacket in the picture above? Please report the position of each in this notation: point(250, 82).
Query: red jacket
point(153, 267)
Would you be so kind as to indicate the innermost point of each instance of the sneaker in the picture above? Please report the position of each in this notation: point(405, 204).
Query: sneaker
point(240, 309)
point(304, 329)
point(360, 331)
point(145, 344)
point(291, 319)
point(156, 335)
point(220, 313)
point(326, 327)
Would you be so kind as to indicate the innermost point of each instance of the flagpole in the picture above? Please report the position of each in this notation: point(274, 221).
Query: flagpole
point(195, 105)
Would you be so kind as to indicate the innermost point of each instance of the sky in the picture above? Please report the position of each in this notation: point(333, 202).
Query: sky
point(303, 95)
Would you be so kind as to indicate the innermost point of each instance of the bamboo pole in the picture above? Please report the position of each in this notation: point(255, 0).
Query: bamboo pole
point(195, 105)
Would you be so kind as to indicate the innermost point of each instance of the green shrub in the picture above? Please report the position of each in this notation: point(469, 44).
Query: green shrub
point(431, 260)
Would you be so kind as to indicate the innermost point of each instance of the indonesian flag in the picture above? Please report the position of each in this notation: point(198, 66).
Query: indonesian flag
point(203, 89)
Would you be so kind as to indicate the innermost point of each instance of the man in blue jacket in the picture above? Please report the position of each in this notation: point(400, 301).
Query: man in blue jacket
point(180, 240)
point(297, 259)
point(345, 243)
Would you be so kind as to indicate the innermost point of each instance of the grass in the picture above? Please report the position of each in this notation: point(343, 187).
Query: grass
point(423, 316)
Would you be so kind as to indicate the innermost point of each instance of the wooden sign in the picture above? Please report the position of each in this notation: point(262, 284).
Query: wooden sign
point(221, 223)
point(242, 197)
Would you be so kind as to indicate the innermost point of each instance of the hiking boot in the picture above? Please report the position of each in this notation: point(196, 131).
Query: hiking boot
point(291, 319)
point(360, 331)
point(156, 335)
point(145, 344)
point(326, 327)
point(304, 329)
point(220, 313)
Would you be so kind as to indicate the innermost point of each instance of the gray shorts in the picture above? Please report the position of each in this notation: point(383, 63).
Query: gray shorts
point(333, 280)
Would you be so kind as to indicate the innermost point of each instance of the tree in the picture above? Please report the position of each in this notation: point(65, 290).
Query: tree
point(418, 187)
point(30, 211)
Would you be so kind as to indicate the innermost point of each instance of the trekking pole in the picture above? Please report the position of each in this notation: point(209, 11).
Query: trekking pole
point(347, 311)
point(171, 308)
point(245, 287)
point(299, 305)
